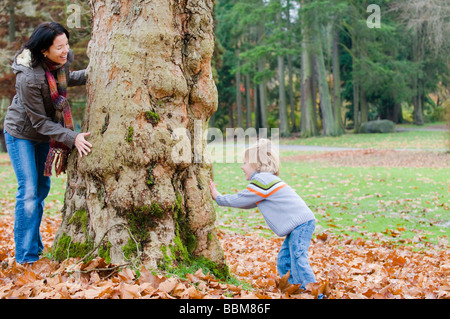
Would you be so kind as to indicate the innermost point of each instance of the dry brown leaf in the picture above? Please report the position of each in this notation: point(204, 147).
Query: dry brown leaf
point(344, 268)
point(147, 289)
point(92, 293)
point(129, 291)
point(179, 290)
point(147, 276)
point(167, 286)
point(126, 275)
point(26, 278)
point(283, 284)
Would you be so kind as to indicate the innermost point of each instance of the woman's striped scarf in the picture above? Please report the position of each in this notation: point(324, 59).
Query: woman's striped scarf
point(59, 152)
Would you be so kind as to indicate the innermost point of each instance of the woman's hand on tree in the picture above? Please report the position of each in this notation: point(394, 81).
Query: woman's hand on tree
point(83, 146)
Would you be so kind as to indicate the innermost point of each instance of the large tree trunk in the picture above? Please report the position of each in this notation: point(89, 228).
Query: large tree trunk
point(142, 194)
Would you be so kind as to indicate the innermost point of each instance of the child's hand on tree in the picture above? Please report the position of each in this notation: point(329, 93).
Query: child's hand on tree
point(214, 192)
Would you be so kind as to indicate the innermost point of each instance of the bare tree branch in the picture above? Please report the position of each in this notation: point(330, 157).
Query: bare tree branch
point(429, 17)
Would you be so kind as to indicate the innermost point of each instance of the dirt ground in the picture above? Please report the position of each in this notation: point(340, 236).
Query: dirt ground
point(370, 157)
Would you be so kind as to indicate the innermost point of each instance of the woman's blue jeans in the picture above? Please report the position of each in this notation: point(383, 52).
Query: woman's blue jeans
point(28, 160)
point(293, 255)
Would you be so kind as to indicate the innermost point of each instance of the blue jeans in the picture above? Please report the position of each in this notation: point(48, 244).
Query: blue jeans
point(293, 255)
point(28, 160)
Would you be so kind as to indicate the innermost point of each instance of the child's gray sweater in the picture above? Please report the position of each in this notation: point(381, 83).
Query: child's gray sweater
point(280, 205)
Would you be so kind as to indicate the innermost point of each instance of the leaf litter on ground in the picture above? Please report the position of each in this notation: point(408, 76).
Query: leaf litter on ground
point(344, 268)
point(376, 266)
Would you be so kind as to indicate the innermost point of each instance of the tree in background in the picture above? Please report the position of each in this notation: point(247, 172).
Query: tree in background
point(428, 25)
point(376, 64)
point(370, 72)
point(316, 19)
point(257, 64)
point(308, 124)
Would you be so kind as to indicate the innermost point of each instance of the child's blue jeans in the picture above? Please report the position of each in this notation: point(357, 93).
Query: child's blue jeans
point(293, 255)
point(28, 160)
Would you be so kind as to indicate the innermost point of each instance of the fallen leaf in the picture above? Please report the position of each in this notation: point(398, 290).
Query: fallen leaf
point(167, 286)
point(26, 278)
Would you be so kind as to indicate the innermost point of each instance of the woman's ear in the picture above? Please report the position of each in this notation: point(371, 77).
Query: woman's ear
point(44, 52)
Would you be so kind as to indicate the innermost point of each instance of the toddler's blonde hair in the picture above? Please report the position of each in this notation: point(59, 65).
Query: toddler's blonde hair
point(263, 157)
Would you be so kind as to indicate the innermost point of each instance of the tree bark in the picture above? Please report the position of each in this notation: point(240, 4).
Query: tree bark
point(284, 125)
point(291, 94)
point(364, 106)
point(262, 84)
point(142, 194)
point(337, 109)
point(262, 96)
point(256, 107)
point(417, 81)
point(356, 86)
point(248, 100)
point(308, 124)
point(290, 72)
point(238, 92)
point(12, 22)
point(356, 112)
point(328, 123)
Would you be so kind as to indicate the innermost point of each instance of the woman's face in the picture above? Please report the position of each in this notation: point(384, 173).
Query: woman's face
point(58, 50)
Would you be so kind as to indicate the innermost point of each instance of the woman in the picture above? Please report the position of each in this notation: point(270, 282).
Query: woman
point(39, 130)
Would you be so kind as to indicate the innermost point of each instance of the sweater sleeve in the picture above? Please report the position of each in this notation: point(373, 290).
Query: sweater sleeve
point(244, 199)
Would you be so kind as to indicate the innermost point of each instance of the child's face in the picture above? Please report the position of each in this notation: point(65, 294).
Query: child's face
point(248, 170)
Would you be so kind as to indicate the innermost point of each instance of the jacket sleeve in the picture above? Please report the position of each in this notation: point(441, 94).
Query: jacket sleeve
point(77, 78)
point(244, 199)
point(31, 98)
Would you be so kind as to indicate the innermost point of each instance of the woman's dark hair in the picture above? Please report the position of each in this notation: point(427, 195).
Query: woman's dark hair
point(42, 38)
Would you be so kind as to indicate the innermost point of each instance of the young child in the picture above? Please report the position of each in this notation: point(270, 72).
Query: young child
point(284, 211)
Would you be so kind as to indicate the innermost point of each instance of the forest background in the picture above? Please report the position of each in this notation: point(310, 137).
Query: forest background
point(305, 67)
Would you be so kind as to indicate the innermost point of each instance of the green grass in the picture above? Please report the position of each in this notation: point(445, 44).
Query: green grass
point(425, 126)
point(8, 188)
point(182, 270)
point(359, 201)
point(398, 203)
point(402, 140)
